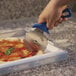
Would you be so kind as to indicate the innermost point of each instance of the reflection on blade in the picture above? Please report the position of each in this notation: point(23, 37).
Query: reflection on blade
point(37, 38)
point(30, 46)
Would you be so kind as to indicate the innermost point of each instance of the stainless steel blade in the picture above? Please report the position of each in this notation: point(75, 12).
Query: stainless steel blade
point(35, 38)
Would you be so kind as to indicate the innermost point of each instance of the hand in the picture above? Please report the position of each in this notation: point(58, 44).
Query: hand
point(52, 15)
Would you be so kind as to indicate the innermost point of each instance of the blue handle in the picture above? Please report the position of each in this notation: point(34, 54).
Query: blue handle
point(43, 25)
point(69, 13)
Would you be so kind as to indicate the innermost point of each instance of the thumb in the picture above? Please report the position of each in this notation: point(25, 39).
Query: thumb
point(41, 20)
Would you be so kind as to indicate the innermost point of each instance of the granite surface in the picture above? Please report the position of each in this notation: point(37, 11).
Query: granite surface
point(64, 36)
point(16, 9)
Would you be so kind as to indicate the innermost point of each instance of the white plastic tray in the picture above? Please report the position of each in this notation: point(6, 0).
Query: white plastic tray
point(52, 54)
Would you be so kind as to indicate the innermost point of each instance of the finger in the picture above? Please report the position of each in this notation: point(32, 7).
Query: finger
point(50, 25)
point(60, 20)
point(65, 19)
point(56, 24)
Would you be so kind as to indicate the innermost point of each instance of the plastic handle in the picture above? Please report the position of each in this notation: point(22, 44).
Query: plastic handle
point(67, 13)
point(43, 25)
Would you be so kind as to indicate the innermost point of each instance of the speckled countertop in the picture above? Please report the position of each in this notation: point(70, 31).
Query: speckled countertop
point(15, 9)
point(64, 36)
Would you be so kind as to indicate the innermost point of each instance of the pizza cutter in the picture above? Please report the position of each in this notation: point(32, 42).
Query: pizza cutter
point(35, 38)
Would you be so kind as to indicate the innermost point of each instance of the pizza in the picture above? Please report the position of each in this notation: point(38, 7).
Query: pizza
point(14, 49)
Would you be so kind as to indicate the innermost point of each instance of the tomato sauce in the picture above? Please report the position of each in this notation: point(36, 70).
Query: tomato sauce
point(14, 50)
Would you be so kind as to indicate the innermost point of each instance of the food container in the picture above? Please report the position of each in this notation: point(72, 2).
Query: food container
point(52, 54)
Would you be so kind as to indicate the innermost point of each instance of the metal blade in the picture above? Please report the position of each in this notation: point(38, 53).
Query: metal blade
point(36, 39)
